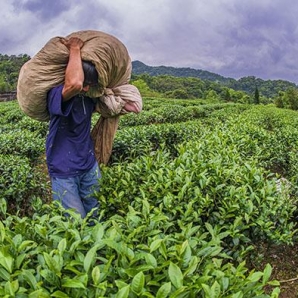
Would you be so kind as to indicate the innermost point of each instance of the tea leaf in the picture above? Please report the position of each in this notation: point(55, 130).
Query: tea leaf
point(146, 208)
point(98, 232)
point(193, 264)
point(3, 209)
point(215, 289)
point(164, 290)
point(53, 264)
point(50, 277)
point(19, 260)
point(237, 295)
point(90, 257)
point(180, 293)
point(267, 273)
point(96, 275)
point(25, 245)
point(62, 245)
point(59, 294)
point(138, 282)
point(150, 260)
point(123, 292)
point(120, 284)
point(9, 289)
point(72, 283)
point(6, 261)
point(2, 232)
point(4, 274)
point(155, 244)
point(186, 253)
point(207, 291)
point(29, 277)
point(121, 248)
point(225, 283)
point(254, 277)
point(40, 293)
point(175, 275)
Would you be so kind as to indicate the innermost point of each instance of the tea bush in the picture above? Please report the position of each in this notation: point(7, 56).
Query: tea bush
point(19, 184)
point(126, 256)
point(189, 190)
point(23, 143)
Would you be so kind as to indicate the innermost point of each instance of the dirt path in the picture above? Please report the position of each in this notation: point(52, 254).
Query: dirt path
point(284, 262)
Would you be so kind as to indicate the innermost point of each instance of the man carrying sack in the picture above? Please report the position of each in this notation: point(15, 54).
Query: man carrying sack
point(66, 84)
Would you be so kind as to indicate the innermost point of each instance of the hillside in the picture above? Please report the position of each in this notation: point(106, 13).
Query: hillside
point(10, 66)
point(139, 67)
point(268, 88)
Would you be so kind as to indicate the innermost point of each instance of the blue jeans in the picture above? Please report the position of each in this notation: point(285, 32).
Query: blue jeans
point(78, 192)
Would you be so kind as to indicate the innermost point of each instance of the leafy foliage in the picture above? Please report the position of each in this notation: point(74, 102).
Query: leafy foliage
point(267, 88)
point(190, 189)
point(9, 71)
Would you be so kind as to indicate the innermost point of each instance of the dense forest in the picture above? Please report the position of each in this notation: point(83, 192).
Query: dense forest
point(182, 83)
point(267, 88)
point(9, 71)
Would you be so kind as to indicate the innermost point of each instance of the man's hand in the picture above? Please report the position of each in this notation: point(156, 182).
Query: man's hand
point(73, 43)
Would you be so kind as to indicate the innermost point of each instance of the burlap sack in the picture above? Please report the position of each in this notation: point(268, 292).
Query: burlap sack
point(47, 68)
point(111, 106)
point(113, 64)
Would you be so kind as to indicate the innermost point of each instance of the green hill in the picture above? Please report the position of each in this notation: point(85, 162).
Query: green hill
point(268, 88)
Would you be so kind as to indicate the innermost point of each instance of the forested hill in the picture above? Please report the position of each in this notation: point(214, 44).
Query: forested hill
point(139, 67)
point(269, 88)
point(194, 82)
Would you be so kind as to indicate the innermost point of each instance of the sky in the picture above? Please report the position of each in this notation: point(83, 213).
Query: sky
point(233, 38)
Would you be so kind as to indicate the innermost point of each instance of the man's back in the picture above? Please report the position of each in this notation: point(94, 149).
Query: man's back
point(69, 146)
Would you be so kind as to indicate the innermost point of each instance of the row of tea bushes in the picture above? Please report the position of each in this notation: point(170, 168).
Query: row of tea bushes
point(170, 113)
point(269, 134)
point(129, 255)
point(20, 184)
point(21, 145)
point(179, 214)
point(209, 180)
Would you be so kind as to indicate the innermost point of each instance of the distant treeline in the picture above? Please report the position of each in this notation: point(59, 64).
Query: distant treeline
point(183, 83)
point(9, 71)
point(266, 88)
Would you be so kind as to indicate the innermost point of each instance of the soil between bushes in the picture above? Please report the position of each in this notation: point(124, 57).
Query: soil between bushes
point(284, 262)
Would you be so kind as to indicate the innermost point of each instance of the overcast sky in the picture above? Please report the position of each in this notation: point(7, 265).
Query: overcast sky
point(233, 38)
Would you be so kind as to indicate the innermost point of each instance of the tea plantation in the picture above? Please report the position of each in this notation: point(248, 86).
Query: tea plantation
point(190, 190)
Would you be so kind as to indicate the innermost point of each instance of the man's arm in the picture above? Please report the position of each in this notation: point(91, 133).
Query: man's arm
point(74, 75)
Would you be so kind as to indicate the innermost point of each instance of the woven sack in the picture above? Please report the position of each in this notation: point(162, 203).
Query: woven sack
point(113, 64)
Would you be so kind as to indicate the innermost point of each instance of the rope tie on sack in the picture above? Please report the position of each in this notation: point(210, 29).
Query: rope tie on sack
point(109, 104)
point(108, 91)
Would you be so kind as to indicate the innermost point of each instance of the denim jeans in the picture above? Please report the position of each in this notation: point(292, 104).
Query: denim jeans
point(78, 192)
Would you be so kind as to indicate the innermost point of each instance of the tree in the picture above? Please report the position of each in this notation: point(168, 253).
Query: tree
point(279, 101)
point(227, 95)
point(143, 88)
point(292, 98)
point(178, 93)
point(212, 96)
point(288, 99)
point(257, 96)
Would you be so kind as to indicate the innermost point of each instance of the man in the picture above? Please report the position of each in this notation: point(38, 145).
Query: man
point(71, 161)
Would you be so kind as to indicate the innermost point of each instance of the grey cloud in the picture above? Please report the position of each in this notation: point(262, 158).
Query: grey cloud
point(230, 37)
point(43, 9)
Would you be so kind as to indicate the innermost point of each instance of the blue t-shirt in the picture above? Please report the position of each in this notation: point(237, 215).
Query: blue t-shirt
point(69, 147)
